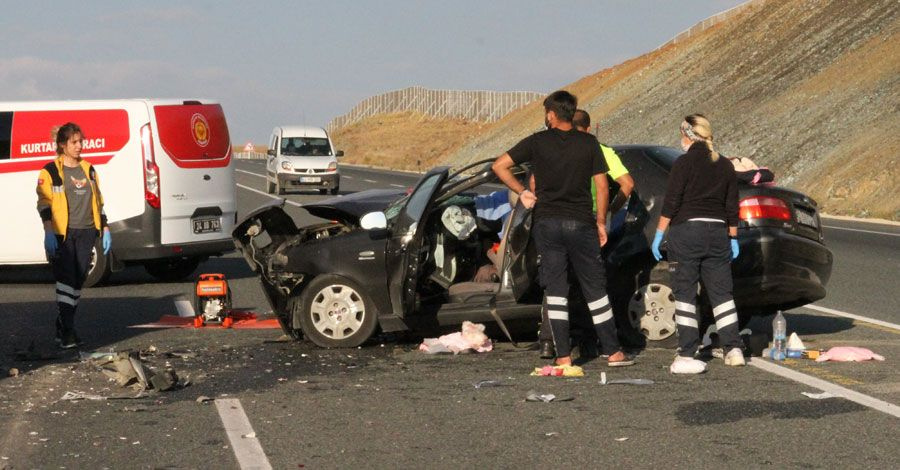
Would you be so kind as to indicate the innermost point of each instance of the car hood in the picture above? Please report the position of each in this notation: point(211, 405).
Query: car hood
point(351, 207)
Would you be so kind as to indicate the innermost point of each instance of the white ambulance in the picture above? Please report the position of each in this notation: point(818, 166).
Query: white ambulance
point(165, 169)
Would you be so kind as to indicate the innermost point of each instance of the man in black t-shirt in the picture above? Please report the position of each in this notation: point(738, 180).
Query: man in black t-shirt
point(564, 162)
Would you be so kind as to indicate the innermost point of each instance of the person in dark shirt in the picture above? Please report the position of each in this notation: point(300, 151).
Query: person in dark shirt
point(564, 162)
point(701, 205)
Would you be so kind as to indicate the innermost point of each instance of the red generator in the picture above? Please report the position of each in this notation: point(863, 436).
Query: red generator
point(212, 300)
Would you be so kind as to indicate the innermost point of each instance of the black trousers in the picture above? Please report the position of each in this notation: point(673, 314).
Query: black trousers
point(561, 242)
point(70, 267)
point(702, 250)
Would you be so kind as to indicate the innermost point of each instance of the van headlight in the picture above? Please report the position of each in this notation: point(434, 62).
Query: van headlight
point(332, 166)
point(286, 165)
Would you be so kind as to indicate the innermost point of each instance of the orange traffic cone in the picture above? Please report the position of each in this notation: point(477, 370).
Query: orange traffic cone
point(198, 322)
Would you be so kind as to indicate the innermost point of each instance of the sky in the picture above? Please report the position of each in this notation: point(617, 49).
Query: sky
point(275, 63)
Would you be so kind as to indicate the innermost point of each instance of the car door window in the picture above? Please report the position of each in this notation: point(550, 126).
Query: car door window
point(409, 217)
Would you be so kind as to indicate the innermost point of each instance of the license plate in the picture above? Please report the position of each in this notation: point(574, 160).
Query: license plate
point(806, 218)
point(207, 225)
point(310, 179)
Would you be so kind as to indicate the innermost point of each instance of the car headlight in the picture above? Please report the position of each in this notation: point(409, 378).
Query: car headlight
point(332, 166)
point(286, 165)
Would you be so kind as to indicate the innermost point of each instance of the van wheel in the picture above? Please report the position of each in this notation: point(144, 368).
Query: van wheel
point(334, 190)
point(323, 191)
point(172, 269)
point(99, 268)
point(335, 313)
point(270, 187)
point(278, 188)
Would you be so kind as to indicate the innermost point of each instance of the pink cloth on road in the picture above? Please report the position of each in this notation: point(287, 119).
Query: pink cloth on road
point(848, 354)
point(471, 337)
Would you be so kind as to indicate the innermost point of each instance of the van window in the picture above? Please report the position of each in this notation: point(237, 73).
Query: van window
point(5, 134)
point(194, 136)
point(305, 146)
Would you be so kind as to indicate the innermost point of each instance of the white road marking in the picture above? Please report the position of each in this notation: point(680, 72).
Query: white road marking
point(861, 230)
point(269, 195)
point(370, 181)
point(854, 316)
point(825, 386)
point(240, 433)
point(398, 186)
point(347, 177)
point(250, 173)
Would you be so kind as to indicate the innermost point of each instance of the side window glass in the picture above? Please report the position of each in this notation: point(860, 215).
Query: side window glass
point(5, 134)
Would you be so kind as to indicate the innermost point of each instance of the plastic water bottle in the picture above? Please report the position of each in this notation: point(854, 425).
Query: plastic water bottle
point(779, 337)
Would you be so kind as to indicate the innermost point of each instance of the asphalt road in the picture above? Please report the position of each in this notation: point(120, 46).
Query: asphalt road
point(385, 405)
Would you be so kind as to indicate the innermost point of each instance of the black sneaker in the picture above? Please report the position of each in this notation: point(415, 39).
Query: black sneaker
point(548, 351)
point(69, 340)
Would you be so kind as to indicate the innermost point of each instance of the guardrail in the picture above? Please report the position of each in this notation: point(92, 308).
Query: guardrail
point(250, 155)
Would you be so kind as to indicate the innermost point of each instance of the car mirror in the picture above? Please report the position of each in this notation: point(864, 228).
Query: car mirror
point(270, 152)
point(340, 153)
point(373, 221)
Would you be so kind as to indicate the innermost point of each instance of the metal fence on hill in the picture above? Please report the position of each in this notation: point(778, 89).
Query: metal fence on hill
point(482, 106)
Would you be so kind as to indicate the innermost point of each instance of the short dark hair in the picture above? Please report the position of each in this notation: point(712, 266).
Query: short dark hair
point(63, 133)
point(581, 119)
point(562, 103)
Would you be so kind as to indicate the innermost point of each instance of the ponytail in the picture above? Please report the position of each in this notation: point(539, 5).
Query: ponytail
point(698, 129)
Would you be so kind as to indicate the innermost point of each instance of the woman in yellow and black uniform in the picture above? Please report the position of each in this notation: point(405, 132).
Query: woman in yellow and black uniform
point(71, 206)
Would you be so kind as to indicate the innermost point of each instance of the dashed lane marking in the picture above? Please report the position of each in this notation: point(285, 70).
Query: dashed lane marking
point(825, 386)
point(269, 195)
point(250, 173)
point(398, 186)
point(854, 316)
point(369, 181)
point(240, 433)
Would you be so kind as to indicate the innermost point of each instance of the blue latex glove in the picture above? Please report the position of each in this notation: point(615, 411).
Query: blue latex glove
point(50, 244)
point(655, 246)
point(735, 249)
point(107, 242)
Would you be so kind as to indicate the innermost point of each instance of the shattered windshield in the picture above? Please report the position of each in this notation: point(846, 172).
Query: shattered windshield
point(306, 146)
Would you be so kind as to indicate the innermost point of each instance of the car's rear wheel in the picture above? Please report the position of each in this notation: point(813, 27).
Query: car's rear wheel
point(335, 313)
point(172, 269)
point(651, 311)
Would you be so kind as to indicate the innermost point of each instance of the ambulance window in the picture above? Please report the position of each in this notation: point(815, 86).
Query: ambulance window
point(5, 134)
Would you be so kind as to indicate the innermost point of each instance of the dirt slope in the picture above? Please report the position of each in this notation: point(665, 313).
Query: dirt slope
point(809, 88)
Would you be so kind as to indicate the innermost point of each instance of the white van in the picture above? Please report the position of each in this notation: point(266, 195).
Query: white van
point(164, 167)
point(302, 157)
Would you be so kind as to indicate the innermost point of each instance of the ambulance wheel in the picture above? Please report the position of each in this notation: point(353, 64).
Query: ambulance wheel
point(270, 187)
point(99, 268)
point(171, 269)
point(334, 190)
point(335, 313)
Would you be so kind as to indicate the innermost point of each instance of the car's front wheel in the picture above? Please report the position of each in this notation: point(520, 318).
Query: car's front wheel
point(335, 313)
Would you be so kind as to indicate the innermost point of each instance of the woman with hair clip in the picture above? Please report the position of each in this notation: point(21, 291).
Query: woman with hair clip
point(71, 207)
point(701, 205)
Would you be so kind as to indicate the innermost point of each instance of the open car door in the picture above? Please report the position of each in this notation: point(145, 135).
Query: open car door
point(404, 250)
point(521, 256)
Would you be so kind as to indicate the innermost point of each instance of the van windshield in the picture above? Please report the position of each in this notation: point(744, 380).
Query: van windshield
point(305, 146)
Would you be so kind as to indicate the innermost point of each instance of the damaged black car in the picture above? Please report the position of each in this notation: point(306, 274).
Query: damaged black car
point(430, 258)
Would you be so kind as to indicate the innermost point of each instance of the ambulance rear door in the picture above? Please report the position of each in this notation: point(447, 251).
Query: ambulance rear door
point(192, 150)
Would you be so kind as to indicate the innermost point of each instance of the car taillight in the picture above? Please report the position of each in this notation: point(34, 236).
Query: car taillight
point(151, 171)
point(763, 207)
